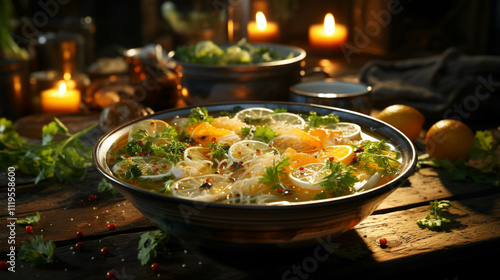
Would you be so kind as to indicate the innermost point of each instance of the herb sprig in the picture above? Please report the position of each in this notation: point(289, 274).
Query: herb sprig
point(377, 156)
point(66, 159)
point(339, 181)
point(149, 243)
point(272, 174)
point(435, 219)
point(37, 252)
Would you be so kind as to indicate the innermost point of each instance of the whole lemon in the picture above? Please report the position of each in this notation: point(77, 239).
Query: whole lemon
point(449, 139)
point(405, 118)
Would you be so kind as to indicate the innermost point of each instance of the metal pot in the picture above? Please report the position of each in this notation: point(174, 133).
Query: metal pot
point(200, 84)
point(351, 96)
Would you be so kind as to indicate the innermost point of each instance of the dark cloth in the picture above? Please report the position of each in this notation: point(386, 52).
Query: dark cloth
point(451, 85)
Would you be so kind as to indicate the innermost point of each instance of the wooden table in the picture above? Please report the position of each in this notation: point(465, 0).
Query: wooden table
point(469, 248)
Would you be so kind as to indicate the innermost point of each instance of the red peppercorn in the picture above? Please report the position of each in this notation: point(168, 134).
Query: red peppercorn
point(164, 166)
point(152, 122)
point(111, 226)
point(383, 241)
point(29, 229)
point(92, 197)
point(79, 246)
point(3, 265)
point(301, 168)
point(111, 159)
point(79, 234)
point(330, 159)
point(155, 267)
point(104, 251)
point(111, 274)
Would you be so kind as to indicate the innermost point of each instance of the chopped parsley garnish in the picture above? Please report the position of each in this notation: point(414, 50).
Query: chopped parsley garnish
point(340, 179)
point(136, 171)
point(217, 151)
point(37, 252)
point(377, 156)
point(199, 115)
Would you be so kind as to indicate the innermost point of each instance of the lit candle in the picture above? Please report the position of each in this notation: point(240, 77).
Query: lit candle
point(61, 100)
point(327, 36)
point(261, 30)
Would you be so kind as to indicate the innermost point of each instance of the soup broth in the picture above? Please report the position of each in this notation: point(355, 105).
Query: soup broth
point(254, 156)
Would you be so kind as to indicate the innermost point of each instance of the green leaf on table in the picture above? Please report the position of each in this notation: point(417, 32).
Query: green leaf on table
point(66, 159)
point(149, 243)
point(29, 220)
point(37, 252)
point(435, 219)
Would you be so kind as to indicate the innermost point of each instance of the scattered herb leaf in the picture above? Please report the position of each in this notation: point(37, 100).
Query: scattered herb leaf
point(435, 218)
point(105, 187)
point(377, 156)
point(37, 252)
point(149, 243)
point(199, 115)
point(29, 220)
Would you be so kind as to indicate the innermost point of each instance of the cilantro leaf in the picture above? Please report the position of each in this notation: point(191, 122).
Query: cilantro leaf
point(314, 120)
point(9, 138)
point(136, 171)
point(272, 174)
point(435, 219)
point(260, 133)
point(37, 252)
point(340, 179)
point(148, 245)
point(29, 219)
point(198, 115)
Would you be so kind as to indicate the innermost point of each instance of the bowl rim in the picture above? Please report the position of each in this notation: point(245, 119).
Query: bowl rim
point(299, 57)
point(366, 89)
point(386, 187)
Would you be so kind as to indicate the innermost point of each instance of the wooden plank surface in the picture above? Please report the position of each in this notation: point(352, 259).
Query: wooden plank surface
point(65, 209)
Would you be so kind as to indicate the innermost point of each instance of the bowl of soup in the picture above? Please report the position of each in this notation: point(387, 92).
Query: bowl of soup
point(257, 174)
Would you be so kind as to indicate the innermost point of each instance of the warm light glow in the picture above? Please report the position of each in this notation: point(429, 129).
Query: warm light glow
point(67, 76)
point(261, 20)
point(62, 89)
point(329, 24)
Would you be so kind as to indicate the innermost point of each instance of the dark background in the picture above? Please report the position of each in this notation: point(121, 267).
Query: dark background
point(422, 27)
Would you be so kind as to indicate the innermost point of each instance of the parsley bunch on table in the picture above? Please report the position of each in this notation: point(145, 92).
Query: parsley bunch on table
point(66, 159)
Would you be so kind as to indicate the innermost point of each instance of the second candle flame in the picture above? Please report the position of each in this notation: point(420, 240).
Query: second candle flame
point(329, 24)
point(260, 18)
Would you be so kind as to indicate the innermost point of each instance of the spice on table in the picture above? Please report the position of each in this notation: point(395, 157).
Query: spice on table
point(104, 251)
point(111, 226)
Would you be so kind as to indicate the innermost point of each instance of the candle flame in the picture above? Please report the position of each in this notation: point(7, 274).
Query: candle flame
point(260, 18)
point(329, 24)
point(62, 88)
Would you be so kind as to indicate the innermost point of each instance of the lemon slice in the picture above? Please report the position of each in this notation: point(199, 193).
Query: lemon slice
point(248, 149)
point(369, 183)
point(193, 154)
point(152, 168)
point(340, 153)
point(308, 176)
point(288, 119)
point(254, 113)
point(146, 128)
point(203, 188)
point(350, 131)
